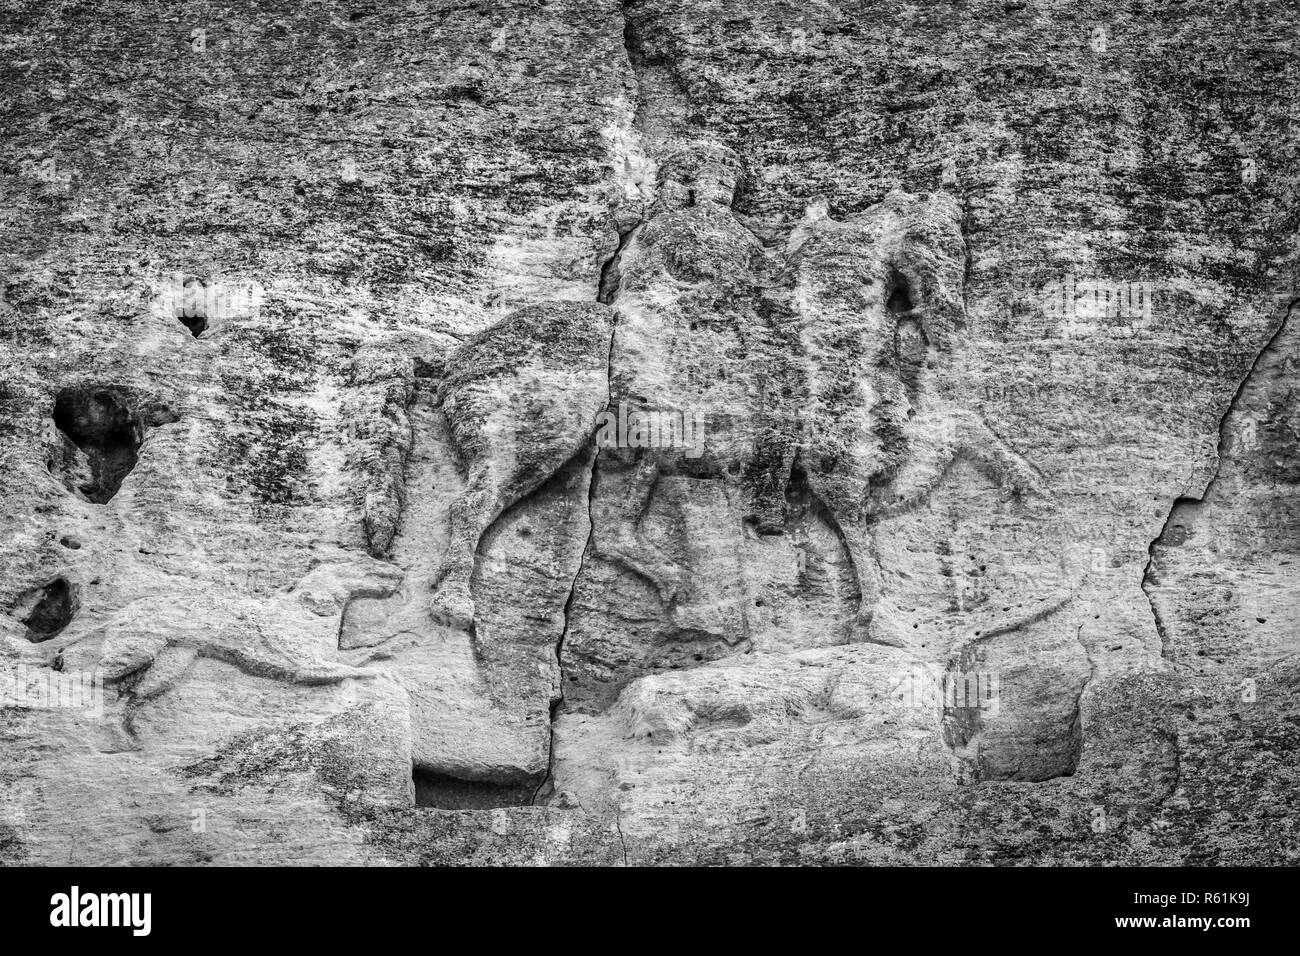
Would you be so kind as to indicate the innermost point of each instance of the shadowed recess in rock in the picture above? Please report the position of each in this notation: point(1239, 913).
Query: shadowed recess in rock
point(1023, 730)
point(54, 606)
point(443, 792)
point(103, 425)
point(900, 297)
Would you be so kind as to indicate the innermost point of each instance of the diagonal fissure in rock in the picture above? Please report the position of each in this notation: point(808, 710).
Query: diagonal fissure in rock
point(1182, 502)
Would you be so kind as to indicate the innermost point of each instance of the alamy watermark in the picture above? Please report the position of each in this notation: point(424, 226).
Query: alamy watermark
point(39, 688)
point(46, 171)
point(1084, 305)
point(190, 298)
point(921, 689)
point(651, 429)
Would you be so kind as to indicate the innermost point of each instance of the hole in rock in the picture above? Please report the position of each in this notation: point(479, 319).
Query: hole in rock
point(54, 606)
point(444, 792)
point(900, 296)
point(103, 425)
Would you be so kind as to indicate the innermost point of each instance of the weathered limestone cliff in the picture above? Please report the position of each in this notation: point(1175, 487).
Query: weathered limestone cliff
point(590, 432)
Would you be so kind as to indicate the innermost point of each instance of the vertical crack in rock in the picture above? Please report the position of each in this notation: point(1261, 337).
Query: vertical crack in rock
point(609, 277)
point(637, 60)
point(662, 99)
point(1161, 627)
point(1076, 727)
point(618, 827)
point(1184, 502)
point(606, 295)
point(964, 228)
point(606, 292)
point(609, 273)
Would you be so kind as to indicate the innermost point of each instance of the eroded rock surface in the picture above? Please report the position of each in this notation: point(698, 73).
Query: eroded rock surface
point(632, 432)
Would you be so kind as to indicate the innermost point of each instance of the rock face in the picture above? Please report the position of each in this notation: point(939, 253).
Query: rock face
point(597, 432)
